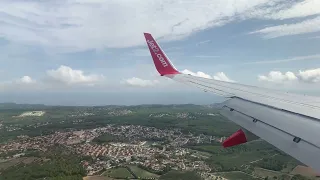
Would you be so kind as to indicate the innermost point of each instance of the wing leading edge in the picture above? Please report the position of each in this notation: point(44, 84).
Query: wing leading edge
point(288, 121)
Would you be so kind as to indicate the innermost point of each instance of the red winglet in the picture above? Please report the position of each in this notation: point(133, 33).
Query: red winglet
point(161, 61)
point(235, 139)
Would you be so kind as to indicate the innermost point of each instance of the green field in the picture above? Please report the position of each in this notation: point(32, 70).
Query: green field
point(118, 173)
point(142, 173)
point(240, 158)
point(180, 175)
point(268, 173)
point(237, 159)
point(201, 154)
point(97, 178)
point(236, 176)
point(61, 118)
point(13, 162)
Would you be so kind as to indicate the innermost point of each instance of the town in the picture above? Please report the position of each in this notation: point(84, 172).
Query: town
point(145, 146)
point(147, 141)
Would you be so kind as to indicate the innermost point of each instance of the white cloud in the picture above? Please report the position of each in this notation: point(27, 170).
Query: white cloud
point(311, 75)
point(298, 58)
point(278, 77)
point(218, 76)
point(306, 26)
point(140, 82)
point(84, 24)
point(222, 77)
point(304, 76)
point(199, 74)
point(67, 75)
point(24, 83)
point(280, 10)
point(301, 9)
point(26, 80)
point(313, 37)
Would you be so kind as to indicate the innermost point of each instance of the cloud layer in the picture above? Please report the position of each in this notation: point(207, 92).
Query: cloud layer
point(82, 24)
point(307, 26)
point(306, 76)
point(298, 58)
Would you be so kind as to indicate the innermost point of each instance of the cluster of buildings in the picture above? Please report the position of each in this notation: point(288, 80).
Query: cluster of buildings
point(183, 115)
point(142, 147)
point(119, 112)
point(10, 128)
point(115, 150)
point(32, 113)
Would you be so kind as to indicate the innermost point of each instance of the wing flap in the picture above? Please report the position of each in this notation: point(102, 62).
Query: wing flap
point(303, 151)
point(298, 126)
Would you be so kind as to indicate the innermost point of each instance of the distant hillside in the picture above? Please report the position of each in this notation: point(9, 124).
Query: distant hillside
point(215, 105)
point(10, 105)
point(21, 106)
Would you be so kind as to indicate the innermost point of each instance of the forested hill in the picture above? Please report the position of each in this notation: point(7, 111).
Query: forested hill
point(10, 105)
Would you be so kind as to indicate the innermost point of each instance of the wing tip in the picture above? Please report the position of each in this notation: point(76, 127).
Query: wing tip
point(161, 61)
point(236, 138)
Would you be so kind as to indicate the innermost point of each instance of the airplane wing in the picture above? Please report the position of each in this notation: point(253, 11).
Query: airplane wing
point(290, 122)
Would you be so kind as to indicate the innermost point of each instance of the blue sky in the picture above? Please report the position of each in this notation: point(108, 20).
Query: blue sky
point(93, 51)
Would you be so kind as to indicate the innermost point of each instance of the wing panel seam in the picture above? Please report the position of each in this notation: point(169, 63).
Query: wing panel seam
point(261, 95)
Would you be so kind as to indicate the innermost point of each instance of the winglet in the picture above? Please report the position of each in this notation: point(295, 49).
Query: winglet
point(235, 139)
point(161, 61)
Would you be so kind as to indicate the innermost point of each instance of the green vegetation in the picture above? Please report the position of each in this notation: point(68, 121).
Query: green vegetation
point(231, 159)
point(164, 171)
point(62, 165)
point(257, 153)
point(119, 173)
point(278, 163)
point(178, 175)
point(270, 174)
point(105, 138)
point(237, 176)
point(24, 160)
point(65, 118)
point(141, 173)
point(300, 177)
point(271, 164)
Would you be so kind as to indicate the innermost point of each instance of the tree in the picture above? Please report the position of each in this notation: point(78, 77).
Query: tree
point(133, 158)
